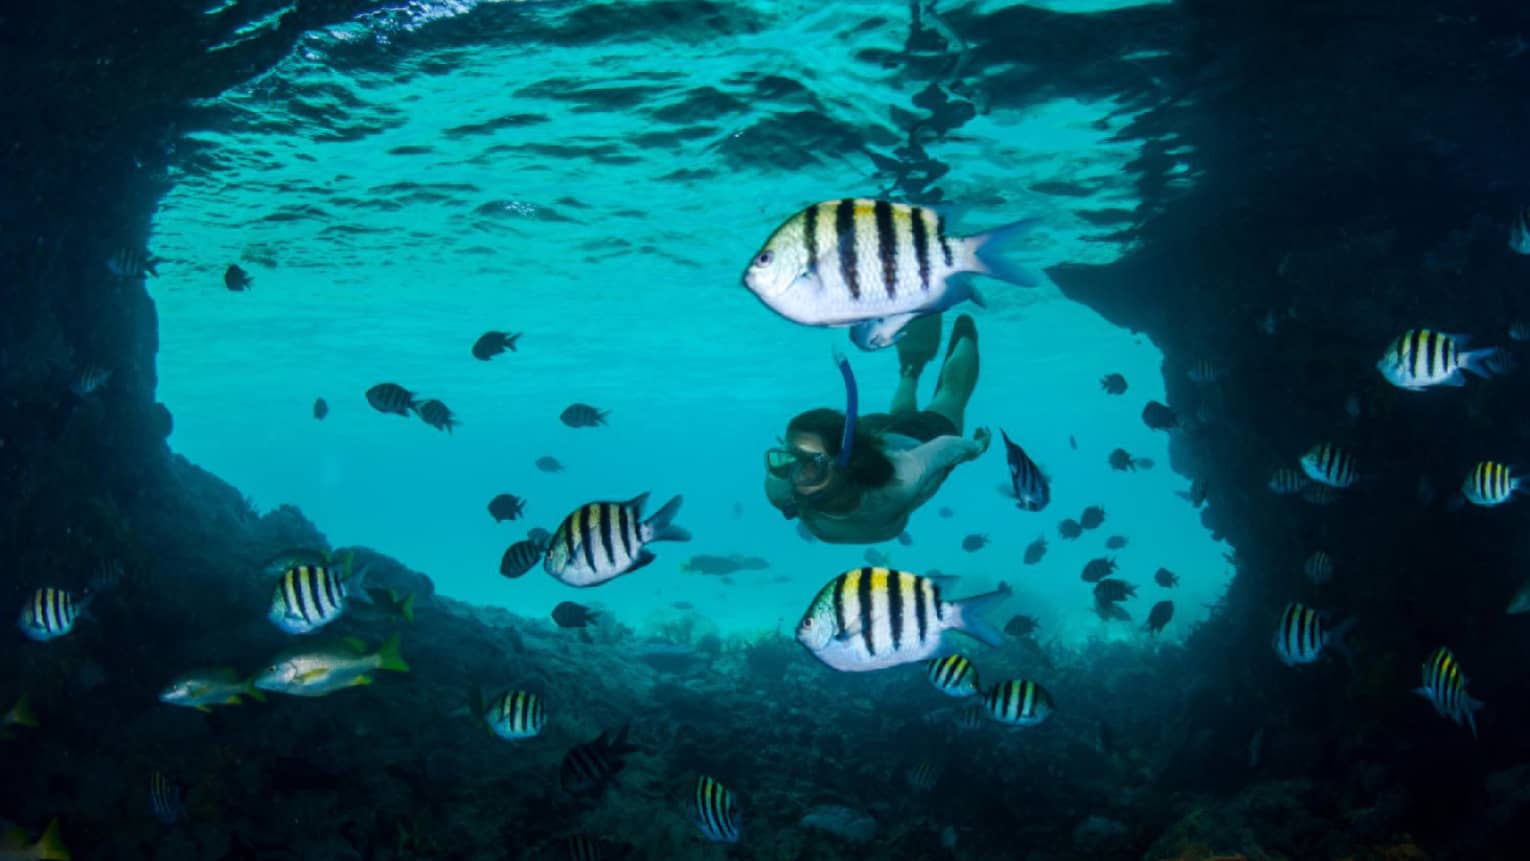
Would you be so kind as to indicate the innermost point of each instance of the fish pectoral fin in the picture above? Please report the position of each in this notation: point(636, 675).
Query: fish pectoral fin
point(644, 558)
point(880, 332)
point(359, 681)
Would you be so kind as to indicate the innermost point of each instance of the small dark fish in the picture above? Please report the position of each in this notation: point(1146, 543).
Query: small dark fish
point(1110, 611)
point(945, 511)
point(548, 463)
point(391, 398)
point(905, 539)
point(438, 415)
point(1144, 463)
point(1092, 517)
point(1114, 590)
point(506, 506)
point(1159, 417)
point(1159, 616)
point(521, 557)
point(1035, 550)
point(974, 542)
point(1166, 578)
point(1072, 443)
point(588, 768)
point(738, 511)
point(1028, 485)
point(584, 416)
point(1098, 569)
point(571, 615)
point(1069, 529)
point(491, 344)
point(1115, 542)
point(706, 563)
point(876, 558)
point(320, 409)
point(683, 605)
point(1021, 626)
point(1122, 461)
point(1113, 384)
point(1197, 493)
point(237, 279)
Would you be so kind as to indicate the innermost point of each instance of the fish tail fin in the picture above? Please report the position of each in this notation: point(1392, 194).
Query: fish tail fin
point(406, 607)
point(511, 339)
point(986, 251)
point(970, 621)
point(50, 846)
point(1487, 362)
point(22, 714)
point(389, 657)
point(661, 524)
point(1469, 708)
point(1336, 639)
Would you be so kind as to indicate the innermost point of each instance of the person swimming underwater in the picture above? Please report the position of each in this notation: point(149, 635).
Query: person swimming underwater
point(857, 481)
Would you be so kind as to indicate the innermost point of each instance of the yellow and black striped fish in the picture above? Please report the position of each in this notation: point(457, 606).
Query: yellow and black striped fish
point(514, 715)
point(1445, 687)
point(1490, 483)
point(1329, 464)
point(604, 540)
point(1019, 702)
point(954, 676)
point(871, 618)
point(714, 810)
point(875, 266)
point(1420, 358)
point(308, 597)
point(50, 613)
point(1303, 634)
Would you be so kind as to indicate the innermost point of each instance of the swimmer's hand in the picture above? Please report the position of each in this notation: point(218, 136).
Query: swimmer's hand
point(983, 437)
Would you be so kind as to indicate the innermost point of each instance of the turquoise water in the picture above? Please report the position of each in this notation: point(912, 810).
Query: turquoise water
point(397, 187)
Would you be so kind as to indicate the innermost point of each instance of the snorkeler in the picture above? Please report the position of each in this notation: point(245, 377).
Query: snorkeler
point(857, 481)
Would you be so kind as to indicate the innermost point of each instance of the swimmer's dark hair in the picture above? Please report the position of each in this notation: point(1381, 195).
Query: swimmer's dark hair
point(869, 465)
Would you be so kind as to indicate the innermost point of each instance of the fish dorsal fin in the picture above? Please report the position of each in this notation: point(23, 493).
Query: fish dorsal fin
point(637, 503)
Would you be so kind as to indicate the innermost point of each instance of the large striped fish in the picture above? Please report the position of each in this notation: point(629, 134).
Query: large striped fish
point(308, 597)
point(50, 613)
point(1445, 688)
point(714, 811)
point(875, 266)
point(871, 618)
point(604, 540)
point(1303, 635)
point(513, 715)
point(1020, 702)
point(1421, 358)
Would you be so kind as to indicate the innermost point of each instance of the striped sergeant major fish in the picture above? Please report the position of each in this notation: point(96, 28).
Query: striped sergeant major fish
point(51, 613)
point(1490, 483)
point(1286, 481)
point(582, 847)
point(513, 715)
point(1319, 568)
point(954, 676)
point(1445, 688)
point(1019, 703)
point(166, 799)
point(923, 775)
point(875, 266)
point(1028, 485)
point(132, 264)
point(520, 557)
point(1422, 358)
point(392, 398)
point(871, 618)
point(590, 767)
point(604, 540)
point(1329, 464)
point(1519, 232)
point(715, 811)
point(308, 597)
point(1303, 635)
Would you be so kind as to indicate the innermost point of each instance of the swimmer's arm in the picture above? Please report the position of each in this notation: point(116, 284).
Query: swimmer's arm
point(942, 454)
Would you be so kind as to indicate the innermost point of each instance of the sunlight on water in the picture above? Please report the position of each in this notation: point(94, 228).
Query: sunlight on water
point(392, 211)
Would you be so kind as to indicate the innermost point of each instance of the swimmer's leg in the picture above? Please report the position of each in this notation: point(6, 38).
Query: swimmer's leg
point(919, 344)
point(959, 374)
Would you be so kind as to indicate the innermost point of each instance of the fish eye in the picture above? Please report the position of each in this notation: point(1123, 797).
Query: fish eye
point(765, 257)
point(807, 622)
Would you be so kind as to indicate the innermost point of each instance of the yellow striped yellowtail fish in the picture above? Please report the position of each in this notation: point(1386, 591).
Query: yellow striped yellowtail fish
point(1019, 702)
point(954, 676)
point(308, 597)
point(1490, 483)
point(315, 671)
point(49, 847)
point(604, 540)
point(872, 618)
point(19, 715)
point(1329, 464)
point(1422, 358)
point(513, 715)
point(875, 266)
point(715, 811)
point(203, 689)
point(1303, 635)
point(1445, 688)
